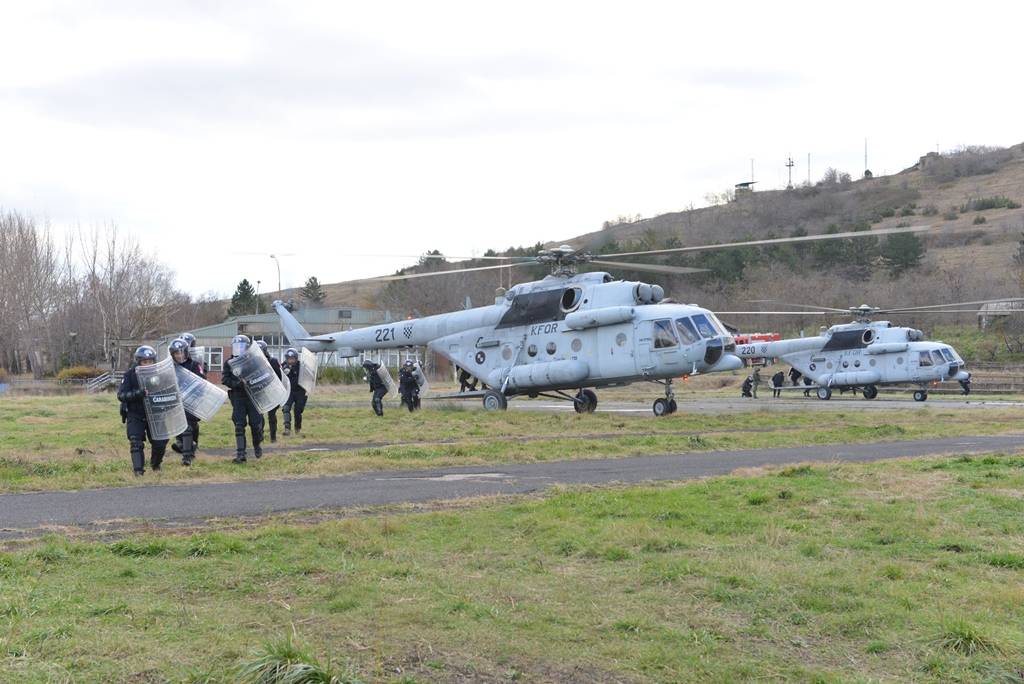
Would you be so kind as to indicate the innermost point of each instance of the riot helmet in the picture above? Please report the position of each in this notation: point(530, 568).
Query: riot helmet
point(263, 347)
point(189, 338)
point(145, 355)
point(408, 364)
point(239, 344)
point(291, 355)
point(179, 350)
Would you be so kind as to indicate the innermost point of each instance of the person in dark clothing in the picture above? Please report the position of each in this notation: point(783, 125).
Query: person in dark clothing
point(794, 376)
point(807, 386)
point(185, 443)
point(297, 398)
point(272, 414)
point(465, 379)
point(745, 388)
point(242, 408)
point(377, 386)
point(133, 414)
point(778, 380)
point(408, 388)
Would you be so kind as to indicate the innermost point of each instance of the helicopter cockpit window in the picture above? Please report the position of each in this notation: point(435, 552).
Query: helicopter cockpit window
point(687, 333)
point(571, 298)
point(704, 326)
point(663, 335)
point(949, 355)
point(924, 359)
point(718, 325)
point(937, 358)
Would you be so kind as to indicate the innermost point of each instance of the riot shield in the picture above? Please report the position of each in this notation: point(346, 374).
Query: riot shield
point(307, 370)
point(287, 385)
point(164, 411)
point(200, 398)
point(421, 377)
point(385, 376)
point(199, 354)
point(261, 383)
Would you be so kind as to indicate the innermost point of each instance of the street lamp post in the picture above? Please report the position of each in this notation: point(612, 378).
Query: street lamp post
point(276, 261)
point(258, 296)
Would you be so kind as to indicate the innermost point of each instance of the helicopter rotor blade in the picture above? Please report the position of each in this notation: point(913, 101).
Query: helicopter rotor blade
point(775, 313)
point(653, 268)
point(430, 274)
point(778, 241)
point(939, 306)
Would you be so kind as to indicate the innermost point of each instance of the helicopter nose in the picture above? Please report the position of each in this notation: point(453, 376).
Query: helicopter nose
point(713, 351)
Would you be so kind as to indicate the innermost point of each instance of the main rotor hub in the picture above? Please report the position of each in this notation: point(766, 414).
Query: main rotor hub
point(564, 260)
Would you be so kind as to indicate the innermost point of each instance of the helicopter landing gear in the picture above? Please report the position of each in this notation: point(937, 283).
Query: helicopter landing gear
point(585, 401)
point(495, 401)
point(870, 392)
point(920, 395)
point(824, 393)
point(666, 406)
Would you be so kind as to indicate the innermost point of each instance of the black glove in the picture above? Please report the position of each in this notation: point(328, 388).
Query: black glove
point(124, 412)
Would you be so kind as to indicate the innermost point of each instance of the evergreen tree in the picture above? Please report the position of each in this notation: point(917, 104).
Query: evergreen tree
point(312, 291)
point(902, 252)
point(244, 300)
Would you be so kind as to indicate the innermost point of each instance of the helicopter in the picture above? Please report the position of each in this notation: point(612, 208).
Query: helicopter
point(866, 353)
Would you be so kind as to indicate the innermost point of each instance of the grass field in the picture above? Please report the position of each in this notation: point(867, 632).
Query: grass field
point(897, 571)
point(77, 441)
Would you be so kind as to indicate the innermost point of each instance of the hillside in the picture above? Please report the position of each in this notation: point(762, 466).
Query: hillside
point(970, 255)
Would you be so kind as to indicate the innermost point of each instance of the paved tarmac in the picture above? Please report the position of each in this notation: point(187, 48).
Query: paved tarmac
point(28, 514)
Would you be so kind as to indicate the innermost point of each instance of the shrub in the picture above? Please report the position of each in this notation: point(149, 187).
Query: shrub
point(887, 212)
point(286, 662)
point(929, 210)
point(951, 214)
point(979, 219)
point(964, 638)
point(908, 210)
point(78, 373)
point(984, 203)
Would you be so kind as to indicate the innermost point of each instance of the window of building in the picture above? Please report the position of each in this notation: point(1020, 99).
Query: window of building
point(215, 358)
point(344, 313)
point(664, 338)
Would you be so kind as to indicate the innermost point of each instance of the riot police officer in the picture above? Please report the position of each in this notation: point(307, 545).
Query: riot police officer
point(408, 388)
point(377, 386)
point(297, 397)
point(133, 414)
point(185, 443)
point(242, 408)
point(191, 340)
point(272, 414)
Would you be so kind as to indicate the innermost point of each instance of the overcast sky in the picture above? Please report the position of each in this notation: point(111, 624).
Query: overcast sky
point(211, 129)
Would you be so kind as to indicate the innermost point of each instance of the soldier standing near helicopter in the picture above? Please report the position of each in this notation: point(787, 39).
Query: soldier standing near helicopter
point(408, 388)
point(377, 386)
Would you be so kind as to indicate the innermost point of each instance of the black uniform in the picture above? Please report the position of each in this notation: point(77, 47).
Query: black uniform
point(746, 386)
point(408, 388)
point(296, 399)
point(464, 381)
point(133, 414)
point(272, 414)
point(778, 380)
point(377, 386)
point(187, 442)
point(242, 409)
point(794, 376)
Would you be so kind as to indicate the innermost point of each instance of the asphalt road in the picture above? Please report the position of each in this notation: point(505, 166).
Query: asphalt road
point(22, 514)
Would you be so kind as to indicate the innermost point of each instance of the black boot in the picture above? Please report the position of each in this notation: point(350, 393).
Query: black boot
point(239, 446)
point(257, 440)
point(188, 451)
point(138, 453)
point(156, 456)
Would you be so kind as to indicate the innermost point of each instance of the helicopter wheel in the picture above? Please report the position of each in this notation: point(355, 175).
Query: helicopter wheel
point(585, 401)
point(870, 392)
point(662, 407)
point(920, 395)
point(824, 393)
point(672, 406)
point(495, 401)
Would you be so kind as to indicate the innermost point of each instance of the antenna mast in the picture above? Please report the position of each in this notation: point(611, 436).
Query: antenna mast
point(790, 165)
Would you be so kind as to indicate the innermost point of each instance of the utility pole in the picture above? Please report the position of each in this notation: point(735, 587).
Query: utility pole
point(789, 166)
point(278, 273)
point(808, 168)
point(258, 297)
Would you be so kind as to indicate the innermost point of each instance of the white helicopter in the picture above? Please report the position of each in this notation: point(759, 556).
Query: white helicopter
point(866, 354)
point(569, 332)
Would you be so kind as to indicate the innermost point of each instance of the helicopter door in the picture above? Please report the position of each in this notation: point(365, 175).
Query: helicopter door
point(659, 347)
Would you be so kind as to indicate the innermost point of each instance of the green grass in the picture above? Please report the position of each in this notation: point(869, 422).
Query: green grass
point(78, 442)
point(879, 572)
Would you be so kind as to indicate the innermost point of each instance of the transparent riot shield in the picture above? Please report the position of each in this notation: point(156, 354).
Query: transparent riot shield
point(287, 385)
point(261, 383)
point(421, 377)
point(200, 398)
point(385, 376)
point(199, 354)
point(164, 410)
point(307, 370)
